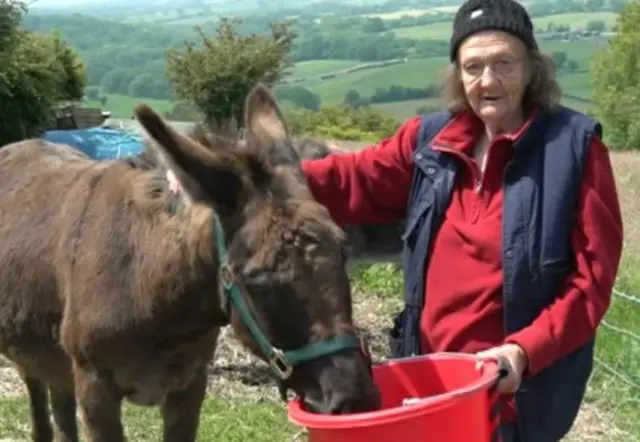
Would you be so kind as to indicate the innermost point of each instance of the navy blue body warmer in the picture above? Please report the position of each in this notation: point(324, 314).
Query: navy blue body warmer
point(541, 189)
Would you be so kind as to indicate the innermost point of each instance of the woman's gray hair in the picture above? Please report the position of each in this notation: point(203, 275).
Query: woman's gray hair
point(543, 90)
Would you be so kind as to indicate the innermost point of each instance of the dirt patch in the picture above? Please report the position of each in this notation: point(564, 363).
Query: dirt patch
point(238, 375)
point(594, 425)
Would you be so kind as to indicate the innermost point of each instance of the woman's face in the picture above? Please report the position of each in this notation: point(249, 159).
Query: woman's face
point(495, 74)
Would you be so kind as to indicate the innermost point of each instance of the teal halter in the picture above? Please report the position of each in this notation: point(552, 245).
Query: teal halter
point(281, 362)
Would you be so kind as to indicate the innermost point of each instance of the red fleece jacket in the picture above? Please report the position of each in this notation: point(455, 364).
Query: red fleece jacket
point(465, 314)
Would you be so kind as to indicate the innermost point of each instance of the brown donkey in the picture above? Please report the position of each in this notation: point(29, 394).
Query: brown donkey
point(112, 287)
point(369, 243)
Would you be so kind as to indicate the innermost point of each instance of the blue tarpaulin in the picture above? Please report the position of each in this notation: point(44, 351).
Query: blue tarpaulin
point(99, 143)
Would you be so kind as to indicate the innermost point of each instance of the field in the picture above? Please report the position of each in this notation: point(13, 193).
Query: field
point(416, 73)
point(243, 403)
point(442, 31)
point(403, 110)
point(419, 73)
point(577, 85)
point(579, 50)
point(413, 12)
point(575, 20)
point(366, 82)
point(317, 67)
point(121, 106)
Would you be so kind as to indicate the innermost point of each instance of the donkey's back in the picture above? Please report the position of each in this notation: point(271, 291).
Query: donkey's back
point(36, 178)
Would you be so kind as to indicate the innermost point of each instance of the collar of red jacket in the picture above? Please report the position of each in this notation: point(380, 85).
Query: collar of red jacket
point(464, 129)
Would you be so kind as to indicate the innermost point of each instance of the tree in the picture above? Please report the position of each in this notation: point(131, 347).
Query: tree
point(36, 73)
point(92, 94)
point(354, 99)
point(616, 82)
point(572, 65)
point(596, 26)
point(594, 5)
point(183, 111)
point(299, 96)
point(425, 109)
point(374, 25)
point(559, 58)
point(343, 123)
point(218, 76)
point(72, 75)
point(617, 6)
point(141, 86)
point(11, 13)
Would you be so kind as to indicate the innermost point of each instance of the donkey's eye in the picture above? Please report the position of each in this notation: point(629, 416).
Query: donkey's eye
point(256, 277)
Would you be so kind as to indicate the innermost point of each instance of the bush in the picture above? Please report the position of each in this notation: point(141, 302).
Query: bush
point(343, 122)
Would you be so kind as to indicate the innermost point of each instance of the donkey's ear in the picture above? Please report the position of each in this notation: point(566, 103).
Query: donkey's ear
point(267, 128)
point(202, 174)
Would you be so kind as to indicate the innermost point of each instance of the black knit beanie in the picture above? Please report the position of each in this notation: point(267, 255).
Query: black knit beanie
point(481, 15)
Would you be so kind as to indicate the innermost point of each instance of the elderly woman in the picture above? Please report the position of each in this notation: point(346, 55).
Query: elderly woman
point(514, 232)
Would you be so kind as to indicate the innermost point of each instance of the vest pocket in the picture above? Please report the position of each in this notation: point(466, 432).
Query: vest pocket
point(555, 267)
point(550, 280)
point(417, 217)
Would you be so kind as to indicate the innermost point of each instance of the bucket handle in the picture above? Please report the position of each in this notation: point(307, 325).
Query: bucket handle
point(494, 400)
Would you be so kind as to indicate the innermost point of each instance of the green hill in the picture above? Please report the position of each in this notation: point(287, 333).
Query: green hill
point(419, 73)
point(575, 20)
point(317, 67)
point(416, 73)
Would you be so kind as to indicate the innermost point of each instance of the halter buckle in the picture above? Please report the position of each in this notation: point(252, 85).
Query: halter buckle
point(226, 276)
point(280, 365)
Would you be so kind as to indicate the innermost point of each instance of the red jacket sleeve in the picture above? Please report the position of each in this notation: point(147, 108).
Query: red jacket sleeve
point(572, 319)
point(369, 186)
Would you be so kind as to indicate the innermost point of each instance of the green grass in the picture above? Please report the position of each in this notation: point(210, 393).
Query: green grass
point(317, 67)
point(575, 20)
point(579, 105)
point(442, 30)
point(417, 73)
point(579, 50)
point(121, 106)
point(433, 31)
point(403, 110)
point(577, 85)
point(413, 12)
point(220, 420)
point(619, 353)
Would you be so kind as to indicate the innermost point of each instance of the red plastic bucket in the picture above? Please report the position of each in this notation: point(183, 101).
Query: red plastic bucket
point(459, 404)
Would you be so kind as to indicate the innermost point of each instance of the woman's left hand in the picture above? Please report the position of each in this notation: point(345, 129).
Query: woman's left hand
point(512, 358)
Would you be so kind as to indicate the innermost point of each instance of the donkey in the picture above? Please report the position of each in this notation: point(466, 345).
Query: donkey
point(369, 243)
point(114, 288)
